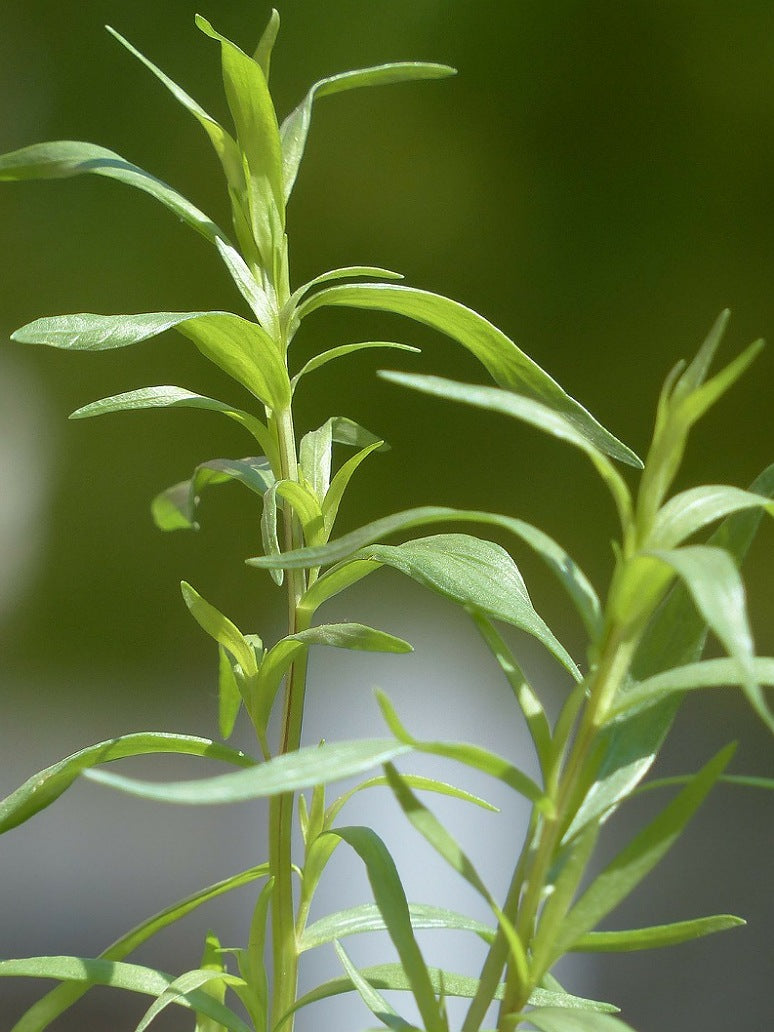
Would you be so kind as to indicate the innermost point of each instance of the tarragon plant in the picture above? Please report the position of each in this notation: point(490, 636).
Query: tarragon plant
point(645, 640)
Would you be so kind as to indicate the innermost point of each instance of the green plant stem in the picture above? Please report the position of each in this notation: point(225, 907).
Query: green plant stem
point(281, 808)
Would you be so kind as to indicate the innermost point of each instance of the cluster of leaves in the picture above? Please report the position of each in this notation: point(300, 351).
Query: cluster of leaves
point(645, 641)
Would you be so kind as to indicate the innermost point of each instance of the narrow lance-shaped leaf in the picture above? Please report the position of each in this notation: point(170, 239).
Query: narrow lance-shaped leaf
point(340, 482)
point(121, 976)
point(295, 128)
point(637, 859)
point(557, 1019)
point(289, 772)
point(63, 996)
point(229, 696)
point(692, 510)
point(559, 562)
point(180, 989)
point(391, 901)
point(65, 158)
point(179, 397)
point(318, 361)
point(43, 788)
point(657, 936)
point(220, 628)
point(508, 364)
point(371, 997)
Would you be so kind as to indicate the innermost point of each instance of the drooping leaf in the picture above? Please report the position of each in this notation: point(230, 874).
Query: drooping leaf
point(561, 565)
point(418, 781)
point(348, 272)
point(367, 918)
point(391, 901)
point(220, 628)
point(637, 859)
point(65, 158)
point(474, 756)
point(63, 996)
point(371, 997)
point(43, 788)
point(121, 976)
point(175, 508)
point(473, 573)
point(289, 772)
point(318, 361)
point(179, 397)
point(295, 128)
point(508, 365)
point(657, 936)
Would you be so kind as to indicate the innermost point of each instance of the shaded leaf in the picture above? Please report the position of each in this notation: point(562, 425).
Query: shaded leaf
point(121, 976)
point(558, 1019)
point(220, 628)
point(508, 365)
point(288, 772)
point(43, 788)
point(373, 999)
point(229, 696)
point(367, 918)
point(657, 936)
point(317, 361)
point(175, 508)
point(340, 482)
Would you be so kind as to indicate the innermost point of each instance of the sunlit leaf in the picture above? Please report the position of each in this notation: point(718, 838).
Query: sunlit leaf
point(179, 990)
point(559, 1019)
point(692, 510)
point(371, 997)
point(220, 628)
point(508, 365)
point(65, 158)
point(43, 788)
point(561, 565)
point(295, 128)
point(290, 772)
point(263, 52)
point(340, 482)
point(121, 976)
point(179, 397)
point(317, 361)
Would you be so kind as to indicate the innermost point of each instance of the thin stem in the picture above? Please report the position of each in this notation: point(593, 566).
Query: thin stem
point(281, 808)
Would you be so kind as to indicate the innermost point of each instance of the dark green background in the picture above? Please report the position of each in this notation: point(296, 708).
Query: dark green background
point(596, 181)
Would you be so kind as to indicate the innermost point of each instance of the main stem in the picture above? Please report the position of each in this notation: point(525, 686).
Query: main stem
point(284, 945)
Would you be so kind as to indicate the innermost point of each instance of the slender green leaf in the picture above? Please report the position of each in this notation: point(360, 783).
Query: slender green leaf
point(317, 361)
point(224, 146)
point(415, 781)
point(251, 961)
point(263, 306)
point(694, 375)
point(229, 696)
point(295, 128)
point(180, 989)
point(392, 976)
point(335, 581)
point(561, 565)
point(708, 673)
point(290, 772)
point(559, 1019)
point(529, 703)
point(43, 788)
point(692, 510)
point(212, 960)
point(305, 505)
point(314, 458)
point(367, 918)
point(63, 996)
point(340, 482)
point(121, 976)
point(656, 937)
point(175, 508)
point(269, 533)
point(391, 901)
point(349, 272)
point(371, 997)
point(693, 407)
point(263, 52)
point(179, 397)
point(508, 365)
point(65, 158)
point(220, 628)
point(637, 859)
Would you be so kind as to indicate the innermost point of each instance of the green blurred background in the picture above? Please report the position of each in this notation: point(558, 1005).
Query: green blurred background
point(596, 181)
